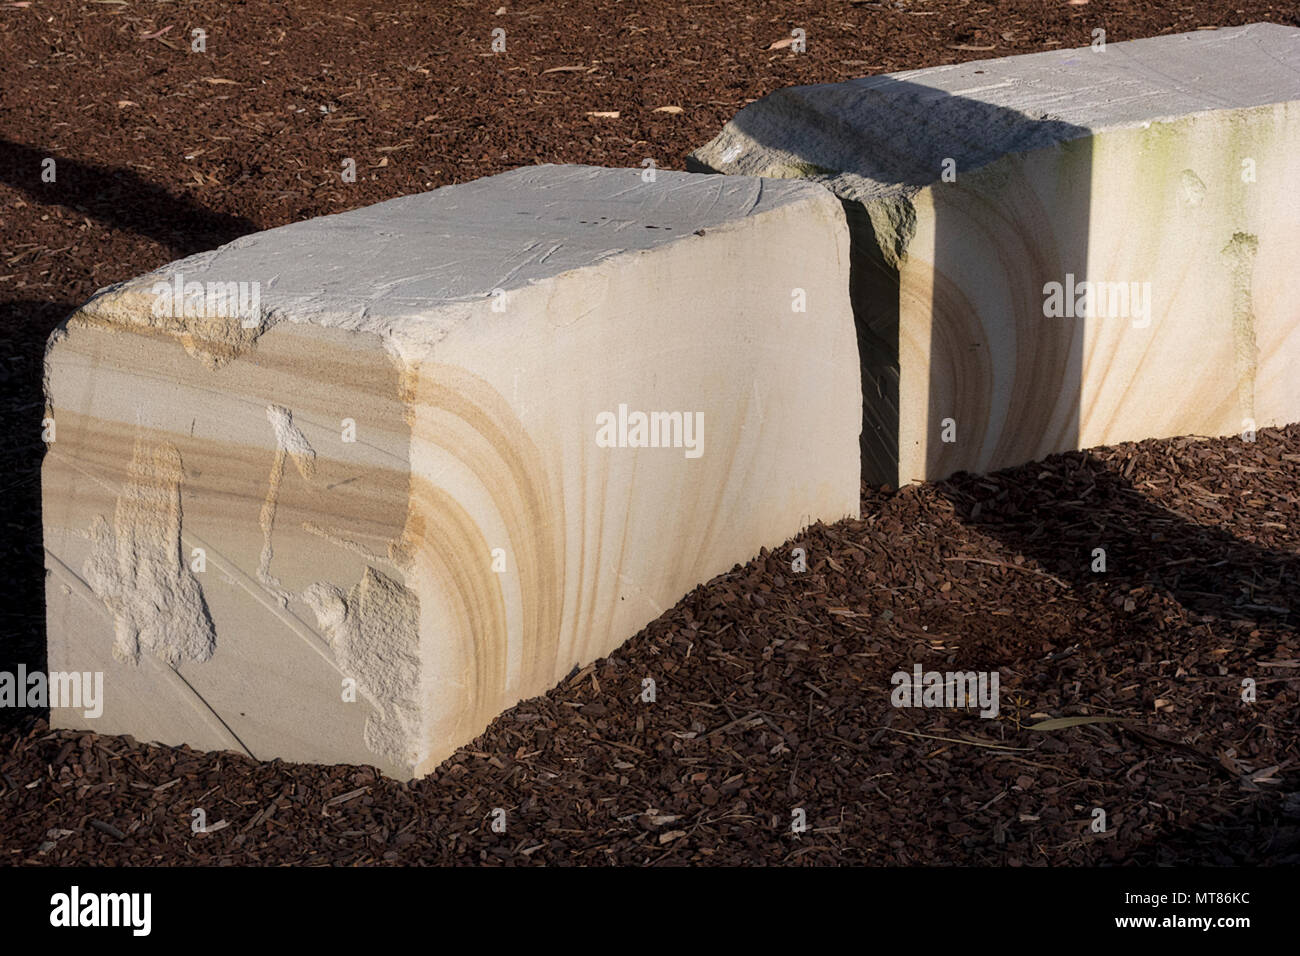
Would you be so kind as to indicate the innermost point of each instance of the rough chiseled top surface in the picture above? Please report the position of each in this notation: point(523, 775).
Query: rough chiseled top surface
point(883, 134)
point(386, 268)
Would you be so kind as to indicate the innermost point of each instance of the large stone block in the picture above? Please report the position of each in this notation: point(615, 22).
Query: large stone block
point(1059, 250)
point(442, 449)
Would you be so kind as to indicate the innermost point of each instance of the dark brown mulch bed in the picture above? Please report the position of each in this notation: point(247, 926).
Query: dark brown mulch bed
point(773, 694)
point(772, 687)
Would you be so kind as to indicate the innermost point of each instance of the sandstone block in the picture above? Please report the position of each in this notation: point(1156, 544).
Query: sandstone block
point(1059, 250)
point(345, 490)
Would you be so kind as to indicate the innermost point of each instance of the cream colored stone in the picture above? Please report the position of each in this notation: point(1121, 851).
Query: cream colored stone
point(475, 541)
point(975, 191)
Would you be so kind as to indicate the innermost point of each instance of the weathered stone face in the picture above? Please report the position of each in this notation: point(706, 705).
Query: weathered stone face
point(162, 465)
point(1061, 250)
point(355, 518)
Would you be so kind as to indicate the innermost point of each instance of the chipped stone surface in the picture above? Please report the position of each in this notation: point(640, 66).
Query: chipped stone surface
point(390, 472)
point(137, 569)
point(374, 631)
point(970, 187)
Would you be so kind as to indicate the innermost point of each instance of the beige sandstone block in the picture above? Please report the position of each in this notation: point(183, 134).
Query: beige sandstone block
point(1159, 175)
point(411, 458)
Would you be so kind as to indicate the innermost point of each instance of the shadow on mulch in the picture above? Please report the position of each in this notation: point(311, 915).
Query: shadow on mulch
point(22, 403)
point(121, 199)
point(1058, 513)
point(1264, 833)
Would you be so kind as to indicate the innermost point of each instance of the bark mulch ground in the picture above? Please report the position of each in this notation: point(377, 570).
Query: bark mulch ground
point(772, 694)
point(772, 686)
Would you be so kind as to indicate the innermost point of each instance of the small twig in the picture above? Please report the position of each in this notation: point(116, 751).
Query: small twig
point(955, 740)
point(740, 720)
point(1013, 567)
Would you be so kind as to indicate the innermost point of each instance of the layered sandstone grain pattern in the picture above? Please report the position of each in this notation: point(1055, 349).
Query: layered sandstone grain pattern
point(1059, 250)
point(439, 451)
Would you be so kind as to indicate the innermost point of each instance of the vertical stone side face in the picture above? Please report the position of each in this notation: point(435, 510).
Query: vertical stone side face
point(217, 550)
point(598, 539)
point(417, 485)
point(1192, 329)
point(1059, 250)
